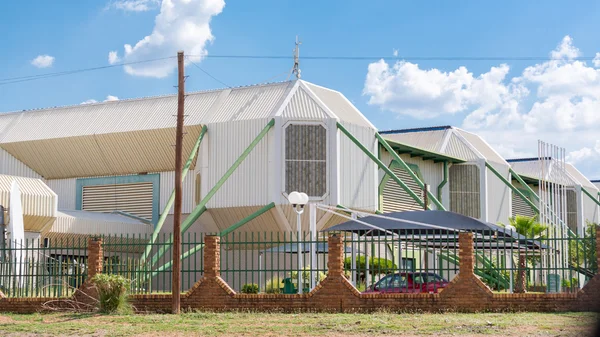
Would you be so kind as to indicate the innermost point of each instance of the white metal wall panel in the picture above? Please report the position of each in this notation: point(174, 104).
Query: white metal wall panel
point(65, 190)
point(249, 184)
point(498, 195)
point(339, 105)
point(395, 199)
point(426, 140)
point(358, 173)
point(10, 165)
point(167, 185)
point(302, 106)
point(133, 198)
point(457, 148)
point(590, 208)
point(519, 206)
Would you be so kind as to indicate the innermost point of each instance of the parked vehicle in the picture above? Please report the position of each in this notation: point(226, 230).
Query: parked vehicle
point(411, 282)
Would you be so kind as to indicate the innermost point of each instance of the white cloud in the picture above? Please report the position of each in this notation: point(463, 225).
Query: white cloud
point(113, 57)
point(557, 101)
point(111, 98)
point(43, 61)
point(596, 60)
point(395, 52)
point(89, 101)
point(135, 5)
point(180, 25)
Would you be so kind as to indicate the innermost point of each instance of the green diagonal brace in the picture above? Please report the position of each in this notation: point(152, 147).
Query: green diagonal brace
point(590, 196)
point(201, 207)
point(514, 189)
point(444, 181)
point(522, 182)
point(165, 213)
point(380, 164)
point(395, 156)
point(223, 233)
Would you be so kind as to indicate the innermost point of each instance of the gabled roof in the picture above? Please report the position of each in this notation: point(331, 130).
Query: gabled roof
point(448, 140)
point(136, 135)
point(532, 169)
point(422, 153)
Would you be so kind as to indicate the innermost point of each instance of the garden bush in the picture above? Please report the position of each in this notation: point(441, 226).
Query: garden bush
point(273, 286)
point(250, 288)
point(112, 292)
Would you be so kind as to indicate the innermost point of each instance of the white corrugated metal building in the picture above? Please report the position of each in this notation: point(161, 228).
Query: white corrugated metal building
point(119, 155)
point(581, 207)
point(473, 189)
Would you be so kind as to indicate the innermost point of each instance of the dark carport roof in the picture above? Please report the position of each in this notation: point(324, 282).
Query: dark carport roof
point(433, 223)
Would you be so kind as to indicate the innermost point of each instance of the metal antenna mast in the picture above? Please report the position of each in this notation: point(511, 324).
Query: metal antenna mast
point(296, 69)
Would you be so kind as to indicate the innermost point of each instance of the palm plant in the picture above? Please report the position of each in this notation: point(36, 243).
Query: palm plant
point(530, 228)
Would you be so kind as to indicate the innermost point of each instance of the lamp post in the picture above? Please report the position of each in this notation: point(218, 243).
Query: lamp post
point(298, 201)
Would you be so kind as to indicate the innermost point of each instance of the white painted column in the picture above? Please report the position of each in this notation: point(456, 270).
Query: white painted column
point(483, 189)
point(354, 249)
point(312, 208)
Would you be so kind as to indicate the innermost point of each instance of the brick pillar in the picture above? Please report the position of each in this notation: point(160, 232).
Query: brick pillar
point(335, 262)
point(95, 256)
point(465, 245)
point(212, 256)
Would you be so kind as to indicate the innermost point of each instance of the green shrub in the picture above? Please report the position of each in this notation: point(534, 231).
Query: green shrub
point(112, 292)
point(273, 286)
point(377, 266)
point(319, 276)
point(250, 288)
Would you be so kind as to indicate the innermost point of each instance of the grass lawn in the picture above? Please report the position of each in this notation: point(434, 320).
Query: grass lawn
point(304, 324)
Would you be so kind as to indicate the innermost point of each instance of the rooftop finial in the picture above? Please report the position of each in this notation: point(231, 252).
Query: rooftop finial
point(296, 69)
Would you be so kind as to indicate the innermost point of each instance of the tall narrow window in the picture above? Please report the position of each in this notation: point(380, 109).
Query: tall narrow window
point(306, 159)
point(464, 190)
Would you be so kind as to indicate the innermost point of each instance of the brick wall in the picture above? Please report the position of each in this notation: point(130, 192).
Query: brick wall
point(465, 292)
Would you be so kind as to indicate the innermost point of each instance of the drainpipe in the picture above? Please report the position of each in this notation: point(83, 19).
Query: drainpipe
point(443, 183)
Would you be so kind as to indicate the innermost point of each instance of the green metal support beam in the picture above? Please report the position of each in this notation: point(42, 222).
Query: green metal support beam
point(514, 189)
point(522, 182)
point(395, 156)
point(380, 164)
point(247, 219)
point(223, 233)
point(165, 213)
point(590, 195)
point(201, 207)
point(444, 181)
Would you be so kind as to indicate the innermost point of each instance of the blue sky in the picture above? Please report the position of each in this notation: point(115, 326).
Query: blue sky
point(82, 34)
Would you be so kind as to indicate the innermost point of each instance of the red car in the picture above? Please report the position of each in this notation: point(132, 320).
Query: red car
point(409, 283)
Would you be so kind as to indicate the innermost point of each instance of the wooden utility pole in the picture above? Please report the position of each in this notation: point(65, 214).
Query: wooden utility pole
point(176, 282)
point(425, 197)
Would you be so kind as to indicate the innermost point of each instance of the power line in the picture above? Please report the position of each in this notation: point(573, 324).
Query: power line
point(69, 72)
point(207, 73)
point(414, 58)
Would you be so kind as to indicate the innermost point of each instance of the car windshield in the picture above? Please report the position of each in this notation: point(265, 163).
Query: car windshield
point(392, 281)
point(419, 278)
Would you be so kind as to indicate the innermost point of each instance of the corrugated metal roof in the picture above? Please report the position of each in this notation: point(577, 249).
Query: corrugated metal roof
point(92, 223)
point(339, 105)
point(578, 176)
point(456, 147)
point(532, 168)
point(38, 200)
point(482, 146)
point(430, 140)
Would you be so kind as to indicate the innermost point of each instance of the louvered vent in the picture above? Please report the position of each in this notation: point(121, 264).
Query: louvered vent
point(306, 159)
point(520, 207)
point(134, 198)
point(464, 190)
point(572, 210)
point(395, 198)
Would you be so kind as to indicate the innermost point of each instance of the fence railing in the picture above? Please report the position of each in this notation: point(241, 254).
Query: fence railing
point(29, 268)
point(549, 261)
point(123, 256)
point(388, 262)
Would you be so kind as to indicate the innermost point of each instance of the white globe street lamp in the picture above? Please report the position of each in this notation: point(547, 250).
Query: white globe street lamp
point(298, 201)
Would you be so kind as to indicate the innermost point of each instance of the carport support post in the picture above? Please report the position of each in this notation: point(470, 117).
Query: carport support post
point(354, 249)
